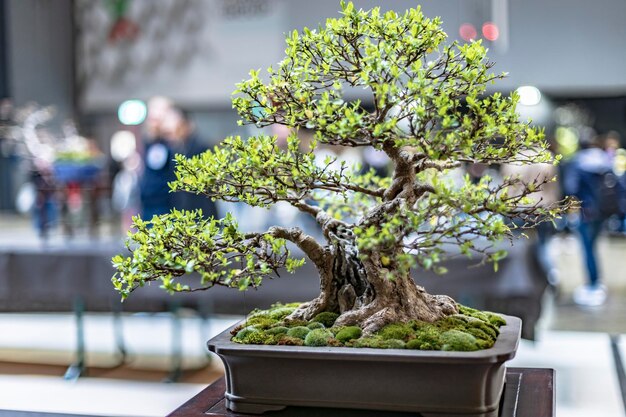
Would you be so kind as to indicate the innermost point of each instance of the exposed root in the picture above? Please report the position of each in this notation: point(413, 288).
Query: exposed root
point(308, 310)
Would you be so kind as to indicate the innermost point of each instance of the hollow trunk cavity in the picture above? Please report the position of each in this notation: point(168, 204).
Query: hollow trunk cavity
point(362, 294)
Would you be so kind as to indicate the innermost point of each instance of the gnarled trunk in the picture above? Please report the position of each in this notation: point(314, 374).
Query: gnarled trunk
point(362, 294)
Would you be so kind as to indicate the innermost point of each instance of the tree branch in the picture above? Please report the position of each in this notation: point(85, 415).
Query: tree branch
point(313, 250)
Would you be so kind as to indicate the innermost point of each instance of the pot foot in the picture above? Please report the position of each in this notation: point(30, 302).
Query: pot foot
point(252, 408)
point(493, 413)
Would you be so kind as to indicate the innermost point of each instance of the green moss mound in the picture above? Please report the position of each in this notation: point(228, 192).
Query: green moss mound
point(281, 313)
point(277, 330)
point(315, 325)
point(349, 333)
point(467, 331)
point(458, 341)
point(368, 342)
point(326, 318)
point(244, 332)
point(318, 337)
point(398, 331)
point(299, 331)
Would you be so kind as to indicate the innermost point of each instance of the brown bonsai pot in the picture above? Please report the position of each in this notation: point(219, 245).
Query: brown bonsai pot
point(262, 378)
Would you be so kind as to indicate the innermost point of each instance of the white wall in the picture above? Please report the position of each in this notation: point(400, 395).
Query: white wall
point(561, 46)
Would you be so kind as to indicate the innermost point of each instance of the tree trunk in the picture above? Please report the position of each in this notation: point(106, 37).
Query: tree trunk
point(363, 296)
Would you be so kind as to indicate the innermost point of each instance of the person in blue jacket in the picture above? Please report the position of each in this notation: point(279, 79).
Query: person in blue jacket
point(584, 180)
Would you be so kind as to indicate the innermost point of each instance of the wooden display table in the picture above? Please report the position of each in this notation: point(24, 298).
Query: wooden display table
point(529, 392)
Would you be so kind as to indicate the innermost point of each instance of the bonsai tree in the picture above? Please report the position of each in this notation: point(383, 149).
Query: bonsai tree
point(428, 111)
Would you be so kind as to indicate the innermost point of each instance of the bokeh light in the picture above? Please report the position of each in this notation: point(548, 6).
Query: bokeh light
point(529, 95)
point(491, 32)
point(467, 32)
point(123, 145)
point(132, 112)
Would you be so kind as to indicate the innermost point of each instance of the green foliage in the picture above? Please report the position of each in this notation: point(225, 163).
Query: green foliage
point(349, 333)
point(258, 172)
point(427, 109)
point(181, 242)
point(318, 337)
point(327, 318)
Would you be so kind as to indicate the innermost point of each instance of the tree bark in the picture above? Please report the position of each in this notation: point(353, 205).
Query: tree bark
point(361, 293)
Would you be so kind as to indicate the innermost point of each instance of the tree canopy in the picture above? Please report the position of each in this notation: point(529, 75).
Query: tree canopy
point(428, 109)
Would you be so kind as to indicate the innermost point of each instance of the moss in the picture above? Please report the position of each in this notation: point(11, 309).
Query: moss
point(458, 341)
point(290, 341)
point(277, 330)
point(337, 329)
point(335, 343)
point(295, 323)
point(427, 338)
point(484, 331)
point(393, 344)
point(418, 324)
point(496, 319)
point(237, 329)
point(281, 313)
point(486, 316)
point(368, 342)
point(281, 305)
point(349, 333)
point(260, 337)
point(469, 330)
point(262, 321)
point(399, 331)
point(244, 331)
point(299, 331)
point(418, 345)
point(327, 318)
point(295, 304)
point(315, 325)
point(318, 337)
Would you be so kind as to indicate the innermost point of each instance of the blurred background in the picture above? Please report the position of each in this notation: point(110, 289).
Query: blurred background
point(96, 96)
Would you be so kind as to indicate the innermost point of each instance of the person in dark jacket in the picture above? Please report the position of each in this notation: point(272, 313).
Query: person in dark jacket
point(158, 164)
point(583, 181)
point(183, 139)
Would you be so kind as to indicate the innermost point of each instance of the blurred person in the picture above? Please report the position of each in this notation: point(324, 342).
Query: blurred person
point(158, 164)
point(181, 133)
point(612, 145)
point(583, 181)
point(125, 195)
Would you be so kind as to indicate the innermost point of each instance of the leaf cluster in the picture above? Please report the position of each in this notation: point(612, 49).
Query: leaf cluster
point(181, 242)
